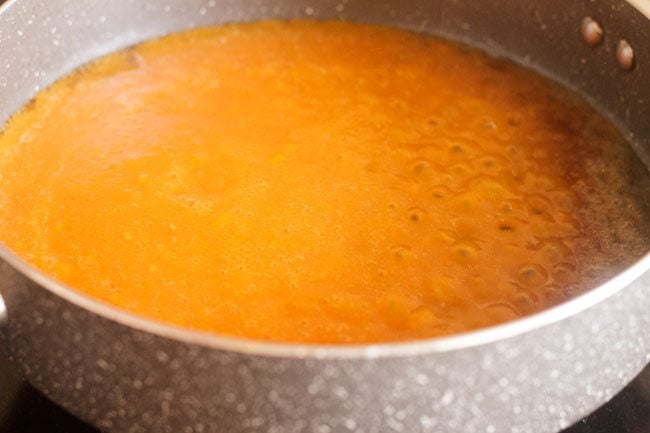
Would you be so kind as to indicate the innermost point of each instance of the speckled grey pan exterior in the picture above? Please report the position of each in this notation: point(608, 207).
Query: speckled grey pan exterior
point(126, 374)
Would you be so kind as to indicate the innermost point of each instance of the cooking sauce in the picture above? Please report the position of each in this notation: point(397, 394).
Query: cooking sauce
point(317, 182)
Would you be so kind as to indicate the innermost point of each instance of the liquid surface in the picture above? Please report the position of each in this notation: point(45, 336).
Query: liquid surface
point(318, 182)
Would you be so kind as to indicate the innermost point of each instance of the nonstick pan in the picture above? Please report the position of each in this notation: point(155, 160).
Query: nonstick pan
point(123, 373)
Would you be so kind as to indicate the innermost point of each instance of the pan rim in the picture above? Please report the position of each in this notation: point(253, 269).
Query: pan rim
point(449, 343)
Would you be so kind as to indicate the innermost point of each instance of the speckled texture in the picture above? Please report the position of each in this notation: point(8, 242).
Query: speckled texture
point(126, 380)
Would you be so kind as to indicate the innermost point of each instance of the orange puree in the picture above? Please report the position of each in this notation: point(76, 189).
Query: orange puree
point(308, 182)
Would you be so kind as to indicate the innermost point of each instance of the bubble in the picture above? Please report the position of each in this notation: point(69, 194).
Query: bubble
point(487, 123)
point(523, 301)
point(506, 207)
point(456, 150)
point(501, 312)
point(539, 205)
point(465, 251)
point(552, 293)
point(421, 166)
point(564, 272)
point(433, 121)
point(461, 170)
point(506, 228)
point(492, 189)
point(490, 163)
point(439, 192)
point(417, 214)
point(402, 252)
point(573, 290)
point(467, 202)
point(554, 251)
point(532, 275)
point(507, 225)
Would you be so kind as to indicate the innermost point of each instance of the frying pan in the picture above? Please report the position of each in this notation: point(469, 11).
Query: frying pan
point(124, 373)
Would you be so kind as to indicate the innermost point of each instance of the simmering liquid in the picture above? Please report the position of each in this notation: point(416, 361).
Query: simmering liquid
point(318, 182)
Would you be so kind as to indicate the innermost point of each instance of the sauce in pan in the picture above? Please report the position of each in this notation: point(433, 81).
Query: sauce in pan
point(318, 182)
